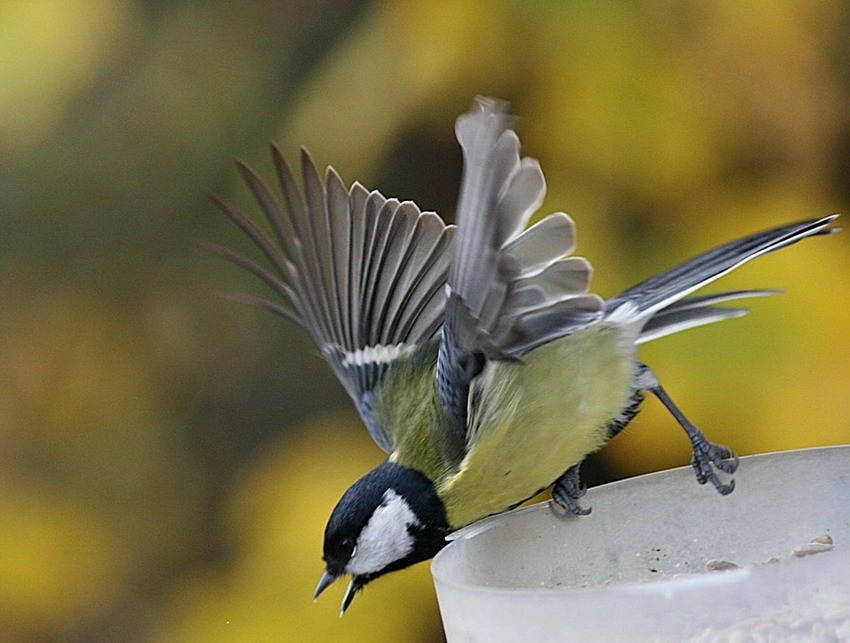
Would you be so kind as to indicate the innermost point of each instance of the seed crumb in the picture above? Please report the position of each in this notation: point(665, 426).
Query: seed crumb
point(809, 549)
point(720, 565)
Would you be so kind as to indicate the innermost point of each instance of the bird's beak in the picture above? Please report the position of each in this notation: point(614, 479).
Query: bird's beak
point(326, 581)
point(329, 579)
point(353, 586)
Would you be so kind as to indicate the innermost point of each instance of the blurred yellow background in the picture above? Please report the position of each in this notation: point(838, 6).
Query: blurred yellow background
point(168, 458)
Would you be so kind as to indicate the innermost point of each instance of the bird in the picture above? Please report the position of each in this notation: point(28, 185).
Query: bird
point(475, 354)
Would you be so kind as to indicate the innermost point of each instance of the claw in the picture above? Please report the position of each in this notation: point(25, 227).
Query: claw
point(567, 491)
point(727, 461)
point(708, 455)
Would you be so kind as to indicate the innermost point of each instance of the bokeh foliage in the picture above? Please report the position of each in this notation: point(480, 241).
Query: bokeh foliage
point(168, 459)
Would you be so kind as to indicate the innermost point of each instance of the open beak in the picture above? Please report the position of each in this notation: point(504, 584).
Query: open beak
point(353, 586)
point(326, 581)
point(329, 579)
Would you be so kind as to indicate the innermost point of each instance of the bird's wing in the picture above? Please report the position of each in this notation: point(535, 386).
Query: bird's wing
point(510, 288)
point(363, 274)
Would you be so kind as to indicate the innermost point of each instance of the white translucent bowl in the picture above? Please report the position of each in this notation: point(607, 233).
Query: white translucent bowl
point(635, 568)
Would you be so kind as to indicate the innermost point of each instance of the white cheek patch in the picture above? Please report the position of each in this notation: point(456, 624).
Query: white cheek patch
point(385, 538)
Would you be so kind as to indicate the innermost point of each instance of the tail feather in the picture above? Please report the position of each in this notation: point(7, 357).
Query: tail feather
point(666, 323)
point(658, 306)
point(696, 311)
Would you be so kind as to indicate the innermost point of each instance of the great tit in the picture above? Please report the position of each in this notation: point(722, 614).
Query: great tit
point(475, 355)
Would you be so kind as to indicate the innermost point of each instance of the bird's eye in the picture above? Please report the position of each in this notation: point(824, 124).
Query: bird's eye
point(347, 544)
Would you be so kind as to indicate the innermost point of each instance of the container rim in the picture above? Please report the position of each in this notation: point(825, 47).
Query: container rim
point(663, 585)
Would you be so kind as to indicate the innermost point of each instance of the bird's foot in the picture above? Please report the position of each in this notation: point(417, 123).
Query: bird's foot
point(708, 458)
point(568, 490)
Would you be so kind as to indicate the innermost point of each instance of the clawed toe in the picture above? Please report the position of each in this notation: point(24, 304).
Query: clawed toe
point(707, 457)
point(567, 491)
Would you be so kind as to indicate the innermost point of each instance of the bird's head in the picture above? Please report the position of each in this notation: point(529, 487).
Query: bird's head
point(389, 519)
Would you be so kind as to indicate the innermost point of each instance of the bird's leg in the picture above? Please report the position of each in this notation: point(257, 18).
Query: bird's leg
point(707, 455)
point(567, 491)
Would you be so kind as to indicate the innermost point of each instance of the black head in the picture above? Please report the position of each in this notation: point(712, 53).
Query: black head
point(389, 519)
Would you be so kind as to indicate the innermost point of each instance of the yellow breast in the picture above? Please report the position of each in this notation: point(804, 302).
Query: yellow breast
point(534, 419)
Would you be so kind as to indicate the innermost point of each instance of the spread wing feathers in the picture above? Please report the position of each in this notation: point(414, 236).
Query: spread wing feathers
point(363, 274)
point(648, 303)
point(510, 290)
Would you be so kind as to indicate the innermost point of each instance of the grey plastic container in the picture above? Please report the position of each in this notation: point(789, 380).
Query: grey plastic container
point(635, 569)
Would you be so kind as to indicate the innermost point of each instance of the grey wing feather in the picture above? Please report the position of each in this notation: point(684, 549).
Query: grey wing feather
point(363, 274)
point(509, 289)
point(543, 243)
